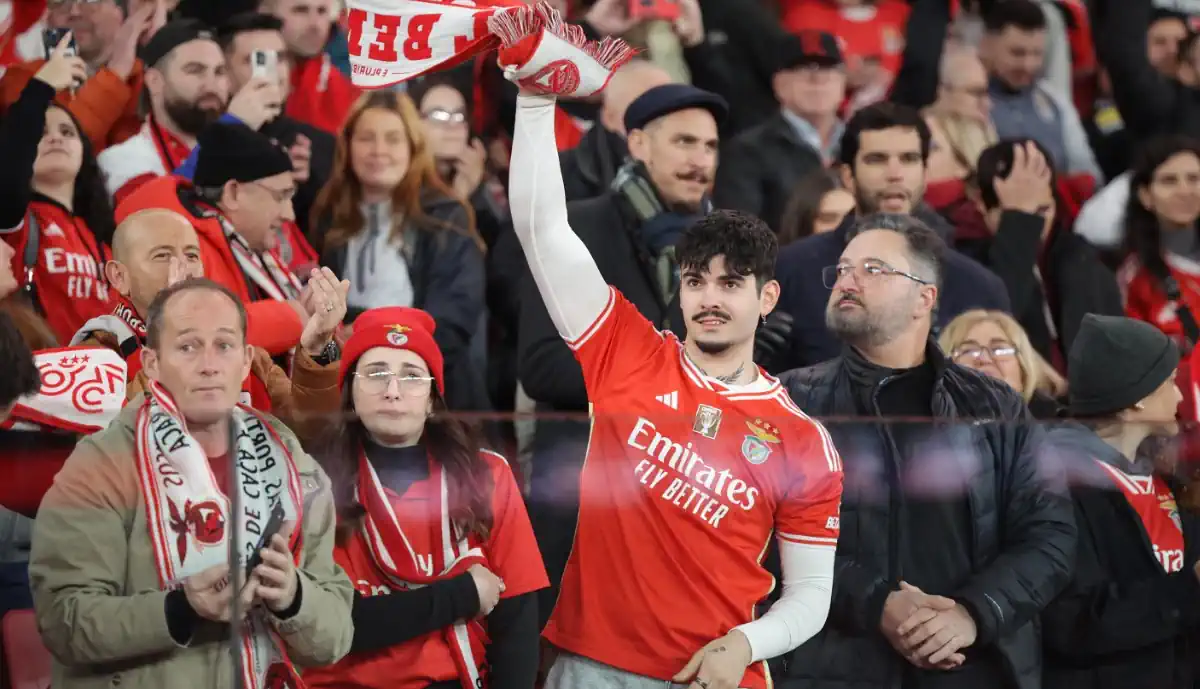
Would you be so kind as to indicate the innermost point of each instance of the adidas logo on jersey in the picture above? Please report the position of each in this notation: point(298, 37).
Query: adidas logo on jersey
point(671, 399)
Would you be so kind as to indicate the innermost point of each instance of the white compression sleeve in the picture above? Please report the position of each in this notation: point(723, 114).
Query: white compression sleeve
point(566, 275)
point(803, 606)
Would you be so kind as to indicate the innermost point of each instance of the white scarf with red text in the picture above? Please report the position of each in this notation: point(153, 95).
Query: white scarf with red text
point(187, 512)
point(402, 568)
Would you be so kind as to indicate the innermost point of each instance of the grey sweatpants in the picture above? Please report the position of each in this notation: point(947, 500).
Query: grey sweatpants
point(570, 671)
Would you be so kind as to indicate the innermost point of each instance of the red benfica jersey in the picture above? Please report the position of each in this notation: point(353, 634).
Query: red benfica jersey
point(512, 554)
point(684, 482)
point(1154, 503)
point(67, 276)
point(1144, 296)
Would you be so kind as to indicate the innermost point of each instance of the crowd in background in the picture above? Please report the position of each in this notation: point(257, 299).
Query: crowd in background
point(1052, 145)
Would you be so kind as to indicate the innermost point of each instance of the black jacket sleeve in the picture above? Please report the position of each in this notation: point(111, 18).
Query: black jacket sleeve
point(1037, 527)
point(549, 372)
point(513, 651)
point(916, 83)
point(20, 134)
point(1096, 616)
point(738, 185)
point(1147, 100)
point(454, 295)
point(859, 595)
point(1013, 254)
point(387, 620)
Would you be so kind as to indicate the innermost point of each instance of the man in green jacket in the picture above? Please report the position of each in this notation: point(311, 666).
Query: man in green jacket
point(128, 568)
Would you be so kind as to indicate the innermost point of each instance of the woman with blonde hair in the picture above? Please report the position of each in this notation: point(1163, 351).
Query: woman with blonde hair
point(992, 342)
point(389, 224)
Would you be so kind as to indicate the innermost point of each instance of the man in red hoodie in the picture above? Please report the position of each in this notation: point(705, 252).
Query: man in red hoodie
point(321, 95)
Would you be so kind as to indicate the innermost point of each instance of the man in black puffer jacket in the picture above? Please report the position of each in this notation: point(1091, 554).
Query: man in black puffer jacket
point(953, 537)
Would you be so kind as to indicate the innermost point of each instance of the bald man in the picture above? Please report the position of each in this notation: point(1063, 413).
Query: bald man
point(589, 168)
point(155, 248)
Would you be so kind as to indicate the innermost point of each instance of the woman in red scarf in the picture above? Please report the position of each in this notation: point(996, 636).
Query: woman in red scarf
point(432, 529)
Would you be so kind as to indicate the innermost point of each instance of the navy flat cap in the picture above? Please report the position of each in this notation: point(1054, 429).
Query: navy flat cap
point(668, 98)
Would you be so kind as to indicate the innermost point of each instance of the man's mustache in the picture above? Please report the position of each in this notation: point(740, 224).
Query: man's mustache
point(846, 296)
point(698, 176)
point(712, 314)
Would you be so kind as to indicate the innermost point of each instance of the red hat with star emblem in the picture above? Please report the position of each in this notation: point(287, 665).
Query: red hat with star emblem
point(397, 327)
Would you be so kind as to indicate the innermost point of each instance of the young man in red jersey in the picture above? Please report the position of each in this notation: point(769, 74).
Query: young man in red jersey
point(696, 455)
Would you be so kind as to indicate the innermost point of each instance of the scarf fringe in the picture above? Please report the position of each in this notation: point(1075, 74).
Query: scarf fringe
point(517, 24)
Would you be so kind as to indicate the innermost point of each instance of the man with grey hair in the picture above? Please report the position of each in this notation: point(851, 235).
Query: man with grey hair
point(953, 538)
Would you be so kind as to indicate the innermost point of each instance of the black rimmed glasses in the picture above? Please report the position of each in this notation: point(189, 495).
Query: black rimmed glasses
point(974, 353)
point(376, 382)
point(864, 271)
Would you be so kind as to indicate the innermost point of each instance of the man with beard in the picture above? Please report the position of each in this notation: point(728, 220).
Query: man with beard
point(957, 535)
point(883, 159)
point(630, 232)
point(187, 89)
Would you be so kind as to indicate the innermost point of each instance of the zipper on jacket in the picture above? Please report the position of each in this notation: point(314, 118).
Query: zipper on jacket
point(895, 494)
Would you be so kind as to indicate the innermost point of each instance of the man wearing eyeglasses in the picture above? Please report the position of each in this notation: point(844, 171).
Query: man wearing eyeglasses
point(955, 538)
point(882, 161)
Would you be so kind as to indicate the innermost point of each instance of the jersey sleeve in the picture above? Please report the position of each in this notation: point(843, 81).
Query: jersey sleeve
point(512, 549)
point(810, 510)
point(617, 346)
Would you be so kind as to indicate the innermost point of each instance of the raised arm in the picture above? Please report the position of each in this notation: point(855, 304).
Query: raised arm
point(575, 293)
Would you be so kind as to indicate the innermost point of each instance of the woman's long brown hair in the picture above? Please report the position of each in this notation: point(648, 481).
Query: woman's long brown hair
point(451, 442)
point(339, 205)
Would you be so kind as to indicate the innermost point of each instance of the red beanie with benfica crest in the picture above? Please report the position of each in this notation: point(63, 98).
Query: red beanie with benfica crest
point(397, 327)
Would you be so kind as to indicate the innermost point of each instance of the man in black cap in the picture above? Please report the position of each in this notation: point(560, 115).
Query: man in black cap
point(630, 231)
point(187, 89)
point(761, 166)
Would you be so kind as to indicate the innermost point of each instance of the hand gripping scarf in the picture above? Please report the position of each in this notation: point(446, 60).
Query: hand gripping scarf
point(395, 40)
point(187, 512)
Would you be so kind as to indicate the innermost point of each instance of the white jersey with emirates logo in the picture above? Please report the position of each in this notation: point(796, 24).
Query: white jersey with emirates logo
point(686, 479)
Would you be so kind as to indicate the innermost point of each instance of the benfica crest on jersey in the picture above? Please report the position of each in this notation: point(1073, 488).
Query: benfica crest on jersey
point(1170, 507)
point(756, 448)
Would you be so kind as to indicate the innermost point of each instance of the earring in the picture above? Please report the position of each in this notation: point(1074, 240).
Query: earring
point(1139, 406)
point(763, 319)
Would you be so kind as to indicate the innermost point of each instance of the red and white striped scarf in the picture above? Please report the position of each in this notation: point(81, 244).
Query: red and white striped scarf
point(402, 568)
point(395, 40)
point(187, 512)
point(263, 268)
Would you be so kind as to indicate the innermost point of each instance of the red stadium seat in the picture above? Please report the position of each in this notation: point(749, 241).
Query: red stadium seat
point(26, 660)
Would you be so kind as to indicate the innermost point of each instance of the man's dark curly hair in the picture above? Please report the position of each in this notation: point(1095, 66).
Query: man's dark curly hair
point(21, 375)
point(748, 245)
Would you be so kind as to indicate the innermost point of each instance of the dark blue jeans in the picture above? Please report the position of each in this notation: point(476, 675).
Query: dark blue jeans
point(14, 587)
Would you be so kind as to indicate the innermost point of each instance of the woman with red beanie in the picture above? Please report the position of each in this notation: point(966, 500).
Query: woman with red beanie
point(432, 529)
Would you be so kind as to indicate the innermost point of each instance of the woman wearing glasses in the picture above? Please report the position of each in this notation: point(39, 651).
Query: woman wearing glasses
point(431, 528)
point(992, 342)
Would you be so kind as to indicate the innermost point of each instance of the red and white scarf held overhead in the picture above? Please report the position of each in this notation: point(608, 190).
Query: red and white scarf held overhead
point(187, 512)
point(403, 568)
point(395, 40)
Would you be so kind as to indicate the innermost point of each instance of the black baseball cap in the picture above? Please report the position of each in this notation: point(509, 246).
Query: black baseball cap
point(661, 101)
point(809, 48)
point(172, 35)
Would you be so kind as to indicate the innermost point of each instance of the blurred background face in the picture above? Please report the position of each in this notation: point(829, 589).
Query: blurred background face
point(202, 356)
point(142, 255)
point(889, 171)
point(93, 23)
point(306, 24)
point(259, 209)
point(988, 349)
point(680, 154)
point(721, 309)
point(191, 85)
point(392, 394)
point(444, 111)
point(964, 89)
point(627, 85)
point(243, 47)
point(1173, 194)
point(1162, 43)
point(811, 91)
point(380, 151)
point(60, 152)
point(1016, 56)
point(871, 308)
point(833, 208)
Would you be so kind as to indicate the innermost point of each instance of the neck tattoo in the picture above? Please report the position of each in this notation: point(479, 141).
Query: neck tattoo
point(732, 378)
